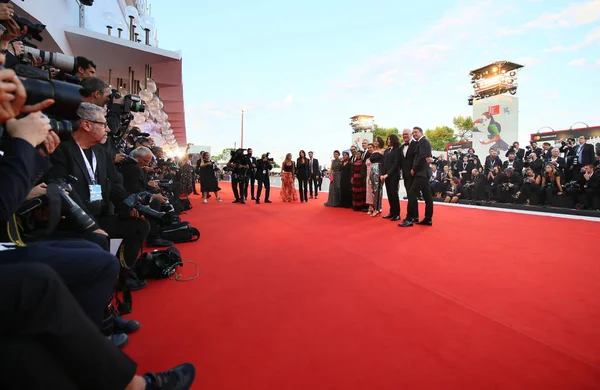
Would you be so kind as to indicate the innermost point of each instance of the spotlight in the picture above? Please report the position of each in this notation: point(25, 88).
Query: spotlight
point(495, 69)
point(512, 74)
point(89, 3)
point(513, 91)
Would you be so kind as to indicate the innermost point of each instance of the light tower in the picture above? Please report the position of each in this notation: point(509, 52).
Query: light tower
point(362, 129)
point(495, 108)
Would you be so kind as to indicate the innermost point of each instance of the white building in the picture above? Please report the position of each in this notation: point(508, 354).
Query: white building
point(76, 30)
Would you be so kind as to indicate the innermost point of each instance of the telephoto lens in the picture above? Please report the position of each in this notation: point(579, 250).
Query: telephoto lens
point(63, 129)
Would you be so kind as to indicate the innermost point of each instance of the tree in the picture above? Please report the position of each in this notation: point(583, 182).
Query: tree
point(384, 132)
point(224, 156)
point(463, 125)
point(440, 136)
point(275, 165)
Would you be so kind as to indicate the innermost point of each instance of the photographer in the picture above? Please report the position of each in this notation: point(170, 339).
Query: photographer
point(590, 182)
point(507, 187)
point(263, 168)
point(512, 162)
point(530, 188)
point(239, 165)
point(251, 175)
point(135, 180)
point(98, 182)
point(519, 153)
point(85, 68)
point(474, 189)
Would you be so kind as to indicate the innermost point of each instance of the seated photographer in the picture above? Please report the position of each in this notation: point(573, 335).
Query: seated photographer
point(559, 163)
point(513, 163)
point(48, 343)
point(465, 167)
point(515, 148)
point(535, 163)
point(552, 187)
point(434, 179)
point(453, 191)
point(493, 179)
point(590, 182)
point(135, 180)
point(507, 186)
point(98, 183)
point(474, 189)
point(529, 193)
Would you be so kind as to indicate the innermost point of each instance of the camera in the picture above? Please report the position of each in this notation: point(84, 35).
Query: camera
point(270, 159)
point(131, 103)
point(64, 63)
point(134, 201)
point(34, 30)
point(39, 87)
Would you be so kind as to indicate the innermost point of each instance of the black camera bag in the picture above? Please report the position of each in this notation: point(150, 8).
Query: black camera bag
point(179, 233)
point(158, 264)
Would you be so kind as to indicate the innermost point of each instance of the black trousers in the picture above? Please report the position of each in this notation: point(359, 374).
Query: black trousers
point(250, 181)
point(263, 180)
point(412, 210)
point(238, 188)
point(133, 231)
point(303, 188)
point(391, 186)
point(47, 342)
point(313, 181)
point(420, 186)
point(87, 270)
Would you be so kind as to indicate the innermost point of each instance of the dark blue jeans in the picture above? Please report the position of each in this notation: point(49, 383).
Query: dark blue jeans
point(89, 271)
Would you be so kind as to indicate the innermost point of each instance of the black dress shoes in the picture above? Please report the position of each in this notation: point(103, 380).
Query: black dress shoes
point(406, 223)
point(122, 325)
point(388, 216)
point(394, 219)
point(425, 222)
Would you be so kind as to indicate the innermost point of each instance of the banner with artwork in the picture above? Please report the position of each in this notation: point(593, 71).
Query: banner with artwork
point(359, 136)
point(495, 124)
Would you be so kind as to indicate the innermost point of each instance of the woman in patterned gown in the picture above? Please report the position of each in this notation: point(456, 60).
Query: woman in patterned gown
point(335, 176)
point(358, 183)
point(376, 171)
point(288, 173)
point(369, 186)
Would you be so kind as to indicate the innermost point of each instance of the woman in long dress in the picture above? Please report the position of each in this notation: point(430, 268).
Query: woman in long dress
point(346, 182)
point(208, 180)
point(369, 186)
point(288, 173)
point(335, 176)
point(376, 171)
point(358, 183)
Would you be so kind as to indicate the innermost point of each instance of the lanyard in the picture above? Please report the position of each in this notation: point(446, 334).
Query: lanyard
point(91, 169)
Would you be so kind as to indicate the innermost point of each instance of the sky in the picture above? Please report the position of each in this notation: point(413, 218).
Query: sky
point(301, 69)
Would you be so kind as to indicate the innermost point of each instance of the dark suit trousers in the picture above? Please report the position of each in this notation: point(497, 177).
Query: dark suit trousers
point(391, 186)
point(132, 231)
point(412, 211)
point(48, 342)
point(302, 188)
point(263, 180)
point(88, 271)
point(313, 181)
point(421, 185)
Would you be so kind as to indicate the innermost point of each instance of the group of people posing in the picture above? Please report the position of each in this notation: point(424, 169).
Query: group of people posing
point(357, 179)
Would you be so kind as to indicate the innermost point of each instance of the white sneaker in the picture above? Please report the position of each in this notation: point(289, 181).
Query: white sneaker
point(205, 201)
point(219, 200)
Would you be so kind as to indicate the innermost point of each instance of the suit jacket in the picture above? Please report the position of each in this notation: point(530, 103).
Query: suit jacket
point(420, 164)
point(489, 164)
point(20, 167)
point(67, 160)
point(517, 166)
point(587, 155)
point(391, 162)
point(262, 166)
point(408, 160)
point(135, 179)
point(519, 153)
point(315, 167)
point(465, 177)
point(562, 163)
point(437, 174)
point(251, 170)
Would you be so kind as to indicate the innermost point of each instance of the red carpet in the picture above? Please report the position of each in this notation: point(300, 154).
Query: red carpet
point(299, 296)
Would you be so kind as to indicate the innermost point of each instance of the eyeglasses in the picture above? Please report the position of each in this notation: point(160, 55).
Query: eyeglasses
point(104, 124)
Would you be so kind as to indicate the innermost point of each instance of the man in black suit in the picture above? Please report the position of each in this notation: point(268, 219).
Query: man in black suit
point(560, 164)
point(519, 153)
point(98, 182)
point(315, 174)
point(421, 173)
point(391, 168)
point(251, 175)
point(512, 163)
point(408, 152)
point(584, 155)
point(491, 161)
point(590, 181)
point(135, 180)
point(263, 167)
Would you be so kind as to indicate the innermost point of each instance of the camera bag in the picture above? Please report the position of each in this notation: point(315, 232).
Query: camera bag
point(158, 264)
point(179, 233)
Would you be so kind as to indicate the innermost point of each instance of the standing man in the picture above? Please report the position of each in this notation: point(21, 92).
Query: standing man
point(315, 173)
point(421, 173)
point(262, 175)
point(251, 175)
point(409, 151)
point(391, 167)
point(352, 153)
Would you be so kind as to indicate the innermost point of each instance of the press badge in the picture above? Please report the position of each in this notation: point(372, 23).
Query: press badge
point(95, 193)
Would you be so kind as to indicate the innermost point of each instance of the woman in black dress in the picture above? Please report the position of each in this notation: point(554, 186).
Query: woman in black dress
point(208, 180)
point(346, 182)
point(302, 173)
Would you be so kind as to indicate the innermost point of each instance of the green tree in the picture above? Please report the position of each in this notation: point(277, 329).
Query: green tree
point(275, 165)
point(463, 126)
point(440, 136)
point(383, 132)
point(224, 156)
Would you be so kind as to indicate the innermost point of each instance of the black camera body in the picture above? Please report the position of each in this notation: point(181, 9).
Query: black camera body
point(136, 201)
